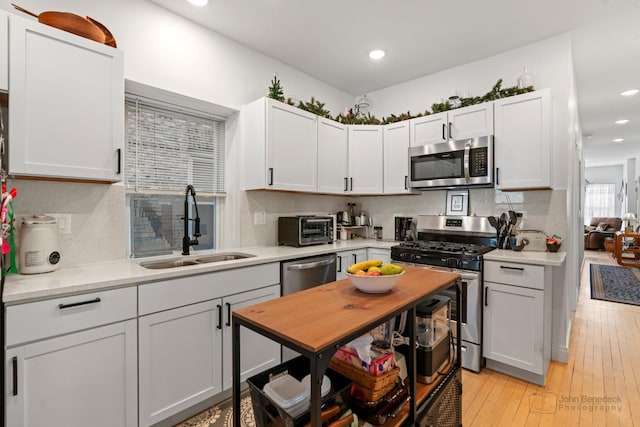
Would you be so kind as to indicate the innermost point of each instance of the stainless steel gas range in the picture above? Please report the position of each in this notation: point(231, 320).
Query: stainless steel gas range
point(455, 244)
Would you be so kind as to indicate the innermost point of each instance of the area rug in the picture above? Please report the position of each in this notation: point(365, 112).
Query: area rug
point(221, 415)
point(616, 284)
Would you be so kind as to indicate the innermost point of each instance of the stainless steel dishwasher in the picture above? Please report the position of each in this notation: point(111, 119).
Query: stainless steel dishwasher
point(305, 273)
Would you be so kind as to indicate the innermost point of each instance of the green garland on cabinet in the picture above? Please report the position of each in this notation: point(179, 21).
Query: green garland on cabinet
point(316, 107)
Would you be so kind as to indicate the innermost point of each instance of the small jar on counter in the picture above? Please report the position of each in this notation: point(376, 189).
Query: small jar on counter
point(377, 232)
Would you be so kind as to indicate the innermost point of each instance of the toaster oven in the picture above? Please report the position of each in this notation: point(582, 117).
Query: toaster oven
point(305, 230)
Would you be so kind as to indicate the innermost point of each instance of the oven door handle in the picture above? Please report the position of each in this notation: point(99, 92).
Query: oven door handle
point(467, 150)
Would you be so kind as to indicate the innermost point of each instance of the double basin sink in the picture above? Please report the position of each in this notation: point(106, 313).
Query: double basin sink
point(184, 262)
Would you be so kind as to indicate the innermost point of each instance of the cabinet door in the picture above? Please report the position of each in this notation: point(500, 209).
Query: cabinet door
point(428, 129)
point(523, 141)
point(346, 258)
point(292, 148)
point(365, 159)
point(333, 157)
point(471, 122)
point(67, 104)
point(343, 261)
point(82, 379)
point(258, 352)
point(381, 254)
point(514, 326)
point(396, 158)
point(180, 359)
point(4, 50)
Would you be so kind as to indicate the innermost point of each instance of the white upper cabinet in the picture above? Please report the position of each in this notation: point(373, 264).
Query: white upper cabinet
point(333, 157)
point(396, 158)
point(471, 121)
point(461, 123)
point(365, 159)
point(281, 147)
point(4, 50)
point(429, 129)
point(523, 141)
point(67, 104)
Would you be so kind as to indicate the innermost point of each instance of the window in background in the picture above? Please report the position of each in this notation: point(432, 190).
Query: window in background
point(168, 148)
point(600, 201)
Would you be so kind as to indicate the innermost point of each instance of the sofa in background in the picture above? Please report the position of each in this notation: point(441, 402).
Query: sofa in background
point(599, 229)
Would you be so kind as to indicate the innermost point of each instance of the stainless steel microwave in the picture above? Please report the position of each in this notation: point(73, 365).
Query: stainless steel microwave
point(304, 230)
point(462, 163)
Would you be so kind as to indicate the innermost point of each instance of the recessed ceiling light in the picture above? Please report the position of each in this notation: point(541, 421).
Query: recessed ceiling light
point(199, 2)
point(618, 140)
point(621, 122)
point(376, 54)
point(629, 92)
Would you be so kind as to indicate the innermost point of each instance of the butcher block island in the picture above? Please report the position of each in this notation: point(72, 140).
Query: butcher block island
point(318, 321)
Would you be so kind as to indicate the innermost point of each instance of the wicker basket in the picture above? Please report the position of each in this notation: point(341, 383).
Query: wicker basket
point(366, 386)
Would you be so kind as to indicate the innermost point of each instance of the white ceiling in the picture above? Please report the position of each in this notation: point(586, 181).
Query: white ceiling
point(330, 40)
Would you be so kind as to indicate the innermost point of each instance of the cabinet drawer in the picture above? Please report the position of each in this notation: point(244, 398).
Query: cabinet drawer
point(525, 275)
point(168, 294)
point(43, 319)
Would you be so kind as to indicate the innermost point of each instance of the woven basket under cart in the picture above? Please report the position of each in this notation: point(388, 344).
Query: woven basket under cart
point(366, 386)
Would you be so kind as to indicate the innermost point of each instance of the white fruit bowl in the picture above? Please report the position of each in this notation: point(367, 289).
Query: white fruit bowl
point(374, 284)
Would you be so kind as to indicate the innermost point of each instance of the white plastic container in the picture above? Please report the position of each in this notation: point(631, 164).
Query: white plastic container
point(288, 393)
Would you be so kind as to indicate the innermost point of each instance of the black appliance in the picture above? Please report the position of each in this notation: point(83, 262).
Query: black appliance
point(465, 163)
point(305, 230)
point(402, 226)
point(455, 244)
point(433, 338)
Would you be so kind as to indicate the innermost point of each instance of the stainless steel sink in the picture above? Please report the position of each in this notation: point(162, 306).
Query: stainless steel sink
point(205, 259)
point(223, 257)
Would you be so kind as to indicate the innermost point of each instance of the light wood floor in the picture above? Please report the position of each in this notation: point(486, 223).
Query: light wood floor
point(604, 362)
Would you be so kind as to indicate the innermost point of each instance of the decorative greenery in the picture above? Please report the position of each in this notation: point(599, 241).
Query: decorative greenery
point(275, 90)
point(317, 107)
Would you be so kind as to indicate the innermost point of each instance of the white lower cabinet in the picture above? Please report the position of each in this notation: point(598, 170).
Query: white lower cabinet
point(381, 254)
point(262, 353)
point(185, 354)
point(517, 320)
point(79, 377)
point(180, 359)
point(346, 258)
point(185, 337)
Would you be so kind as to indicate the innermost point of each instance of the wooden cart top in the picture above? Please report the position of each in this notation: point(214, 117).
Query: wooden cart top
point(317, 318)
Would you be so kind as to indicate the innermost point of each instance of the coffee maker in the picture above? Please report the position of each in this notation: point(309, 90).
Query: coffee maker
point(402, 225)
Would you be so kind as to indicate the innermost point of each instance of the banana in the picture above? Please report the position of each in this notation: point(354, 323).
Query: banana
point(364, 265)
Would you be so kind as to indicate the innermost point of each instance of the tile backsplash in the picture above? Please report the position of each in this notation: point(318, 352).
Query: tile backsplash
point(544, 210)
point(98, 224)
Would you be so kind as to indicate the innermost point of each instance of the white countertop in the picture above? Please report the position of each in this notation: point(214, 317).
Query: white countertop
point(19, 288)
point(554, 259)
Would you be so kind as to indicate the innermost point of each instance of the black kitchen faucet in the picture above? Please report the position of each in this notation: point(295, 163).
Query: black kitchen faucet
point(186, 240)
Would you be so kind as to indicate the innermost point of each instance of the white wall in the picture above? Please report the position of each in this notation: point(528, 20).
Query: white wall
point(548, 60)
point(167, 51)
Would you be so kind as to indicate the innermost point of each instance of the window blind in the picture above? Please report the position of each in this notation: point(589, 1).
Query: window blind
point(168, 149)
